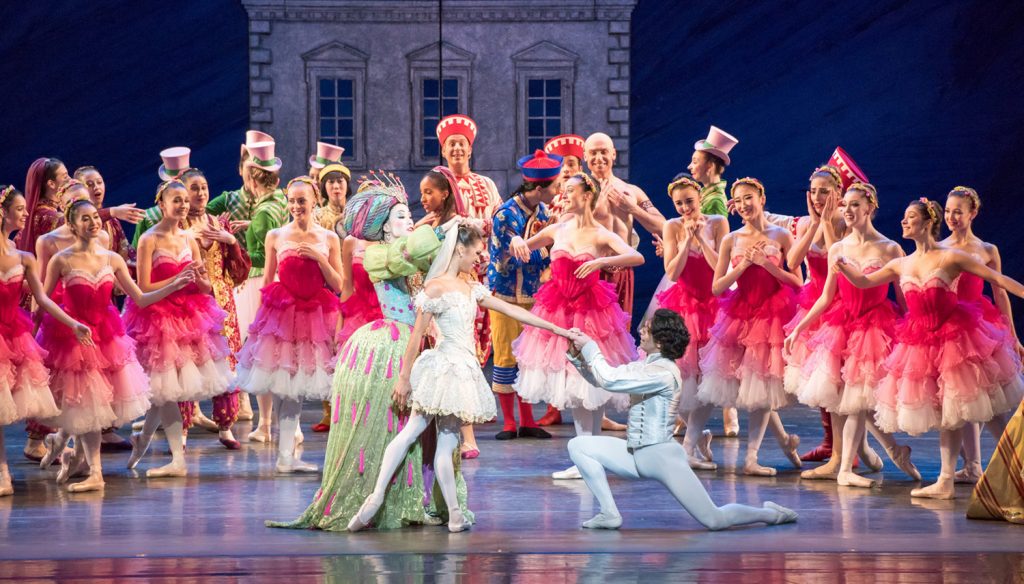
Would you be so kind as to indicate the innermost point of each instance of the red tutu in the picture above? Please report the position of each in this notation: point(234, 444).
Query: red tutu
point(589, 304)
point(817, 269)
point(691, 297)
point(742, 364)
point(99, 386)
point(24, 380)
point(948, 366)
point(290, 351)
point(180, 339)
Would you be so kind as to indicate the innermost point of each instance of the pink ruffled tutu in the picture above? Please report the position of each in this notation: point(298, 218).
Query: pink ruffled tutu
point(691, 297)
point(24, 380)
point(846, 355)
point(817, 264)
point(99, 386)
point(590, 304)
point(290, 351)
point(180, 339)
point(742, 363)
point(948, 366)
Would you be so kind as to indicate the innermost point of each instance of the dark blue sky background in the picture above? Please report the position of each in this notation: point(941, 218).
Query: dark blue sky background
point(925, 96)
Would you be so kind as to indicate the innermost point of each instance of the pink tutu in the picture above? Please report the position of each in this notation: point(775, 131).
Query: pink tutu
point(589, 304)
point(99, 386)
point(24, 380)
point(362, 307)
point(948, 366)
point(690, 296)
point(290, 351)
point(846, 355)
point(180, 339)
point(742, 363)
point(817, 264)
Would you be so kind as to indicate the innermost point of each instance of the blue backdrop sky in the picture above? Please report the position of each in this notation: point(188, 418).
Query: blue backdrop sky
point(924, 95)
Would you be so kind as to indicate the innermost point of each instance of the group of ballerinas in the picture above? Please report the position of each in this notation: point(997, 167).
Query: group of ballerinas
point(940, 357)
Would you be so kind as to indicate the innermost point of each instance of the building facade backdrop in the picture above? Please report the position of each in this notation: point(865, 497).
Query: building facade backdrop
point(365, 75)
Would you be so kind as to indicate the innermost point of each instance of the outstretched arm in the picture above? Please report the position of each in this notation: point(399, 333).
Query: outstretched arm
point(969, 264)
point(630, 378)
point(521, 314)
point(888, 273)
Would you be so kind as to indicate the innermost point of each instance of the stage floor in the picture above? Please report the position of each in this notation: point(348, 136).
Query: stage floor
point(211, 523)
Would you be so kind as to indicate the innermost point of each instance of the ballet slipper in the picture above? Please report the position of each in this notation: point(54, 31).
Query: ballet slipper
point(456, 521)
point(826, 472)
point(608, 425)
point(698, 464)
point(569, 474)
point(365, 515)
point(942, 489)
point(752, 468)
point(168, 470)
point(293, 464)
point(71, 466)
point(603, 521)
point(552, 417)
point(704, 446)
point(140, 444)
point(261, 435)
point(968, 475)
point(93, 483)
point(6, 488)
point(871, 459)
point(730, 422)
point(900, 455)
point(792, 442)
point(228, 440)
point(52, 452)
point(786, 515)
point(852, 479)
point(200, 419)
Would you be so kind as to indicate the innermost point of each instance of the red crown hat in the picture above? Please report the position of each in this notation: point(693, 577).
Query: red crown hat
point(456, 124)
point(849, 172)
point(540, 167)
point(565, 145)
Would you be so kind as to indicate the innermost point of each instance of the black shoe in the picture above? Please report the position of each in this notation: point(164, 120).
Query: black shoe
point(534, 433)
point(505, 435)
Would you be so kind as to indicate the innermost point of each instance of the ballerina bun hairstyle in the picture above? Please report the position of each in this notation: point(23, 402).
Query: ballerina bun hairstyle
point(969, 194)
point(933, 211)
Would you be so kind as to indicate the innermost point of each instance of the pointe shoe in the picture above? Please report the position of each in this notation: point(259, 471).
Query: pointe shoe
point(293, 464)
point(6, 488)
point(569, 474)
point(552, 417)
point(900, 455)
point(825, 472)
point(200, 419)
point(456, 521)
point(244, 408)
point(786, 515)
point(789, 448)
point(168, 470)
point(261, 435)
point(968, 475)
point(752, 468)
point(851, 479)
point(603, 521)
point(872, 460)
point(365, 515)
point(608, 425)
point(704, 446)
point(71, 467)
point(730, 422)
point(941, 489)
point(140, 444)
point(35, 450)
point(93, 483)
point(698, 464)
point(52, 453)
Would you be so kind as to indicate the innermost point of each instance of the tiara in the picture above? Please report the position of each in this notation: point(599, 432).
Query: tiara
point(968, 192)
point(747, 181)
point(868, 189)
point(683, 181)
point(829, 170)
point(6, 192)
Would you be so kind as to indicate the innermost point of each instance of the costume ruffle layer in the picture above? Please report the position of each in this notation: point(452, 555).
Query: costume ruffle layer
point(290, 351)
point(181, 344)
point(362, 307)
point(698, 316)
point(448, 381)
point(24, 379)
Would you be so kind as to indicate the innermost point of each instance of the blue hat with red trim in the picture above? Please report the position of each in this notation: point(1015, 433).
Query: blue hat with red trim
point(540, 167)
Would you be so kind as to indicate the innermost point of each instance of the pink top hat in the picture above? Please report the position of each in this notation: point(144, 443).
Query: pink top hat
point(254, 136)
point(326, 154)
point(176, 161)
point(848, 169)
point(718, 143)
point(261, 155)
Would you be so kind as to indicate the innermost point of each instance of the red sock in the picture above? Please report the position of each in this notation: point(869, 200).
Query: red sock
point(526, 414)
point(508, 410)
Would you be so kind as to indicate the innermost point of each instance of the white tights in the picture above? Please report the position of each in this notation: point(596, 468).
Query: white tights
point(168, 416)
point(448, 431)
point(289, 411)
point(665, 463)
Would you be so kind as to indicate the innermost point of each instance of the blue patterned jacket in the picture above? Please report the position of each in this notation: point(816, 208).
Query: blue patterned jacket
point(510, 279)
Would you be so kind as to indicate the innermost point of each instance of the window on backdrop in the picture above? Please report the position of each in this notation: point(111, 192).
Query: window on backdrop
point(336, 112)
point(543, 112)
point(440, 99)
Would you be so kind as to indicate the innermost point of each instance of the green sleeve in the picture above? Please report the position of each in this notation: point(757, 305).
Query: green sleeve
point(141, 228)
point(402, 257)
point(255, 239)
point(714, 206)
point(218, 205)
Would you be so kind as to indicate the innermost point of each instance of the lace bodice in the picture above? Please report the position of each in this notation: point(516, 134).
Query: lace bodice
point(455, 314)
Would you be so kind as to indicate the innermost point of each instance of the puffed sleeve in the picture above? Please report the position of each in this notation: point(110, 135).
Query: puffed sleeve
point(402, 257)
point(431, 305)
point(479, 292)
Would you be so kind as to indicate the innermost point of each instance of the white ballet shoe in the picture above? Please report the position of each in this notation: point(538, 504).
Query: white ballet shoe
point(704, 446)
point(942, 489)
point(261, 435)
point(53, 451)
point(168, 470)
point(140, 444)
point(968, 475)
point(900, 455)
point(851, 479)
point(826, 472)
point(698, 464)
point(93, 483)
point(365, 515)
point(71, 466)
point(293, 464)
point(456, 521)
point(786, 515)
point(570, 474)
point(789, 447)
point(200, 419)
point(871, 459)
point(603, 521)
point(752, 468)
